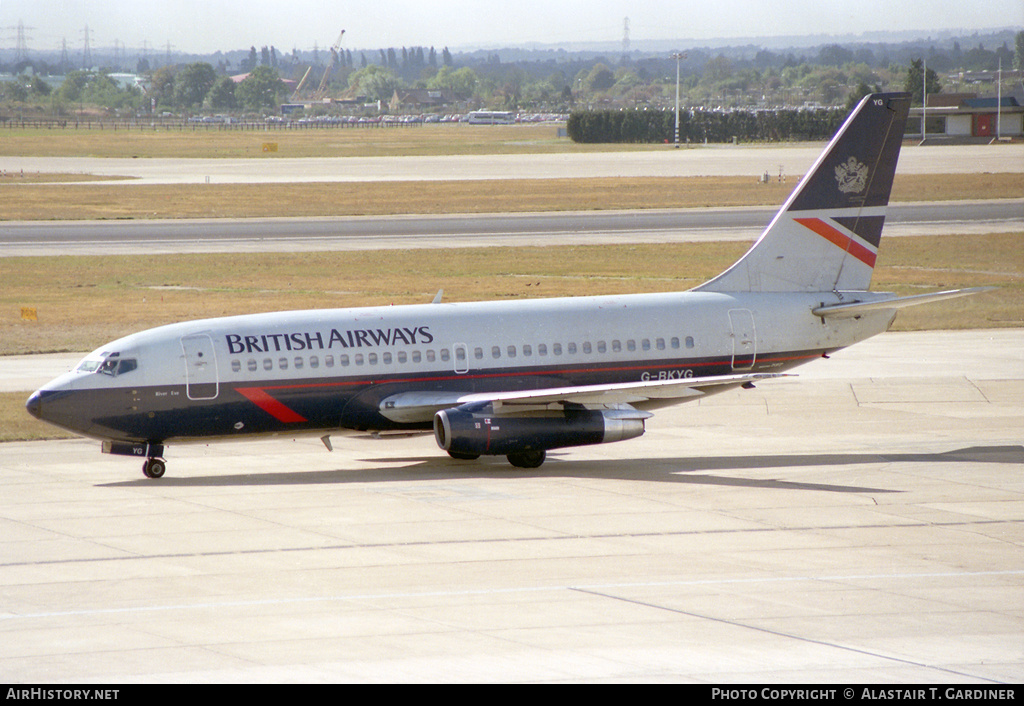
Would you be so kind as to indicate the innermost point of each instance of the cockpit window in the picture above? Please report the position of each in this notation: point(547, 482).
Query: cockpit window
point(88, 366)
point(112, 364)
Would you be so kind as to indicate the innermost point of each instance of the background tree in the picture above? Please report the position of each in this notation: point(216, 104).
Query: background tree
point(222, 95)
point(375, 82)
point(192, 84)
point(261, 90)
point(15, 90)
point(71, 91)
point(915, 81)
point(859, 92)
point(459, 81)
point(600, 78)
point(161, 86)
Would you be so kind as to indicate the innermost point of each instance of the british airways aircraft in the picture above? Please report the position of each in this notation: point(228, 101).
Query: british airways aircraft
point(514, 378)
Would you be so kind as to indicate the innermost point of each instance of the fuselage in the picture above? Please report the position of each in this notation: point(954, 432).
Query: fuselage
point(324, 371)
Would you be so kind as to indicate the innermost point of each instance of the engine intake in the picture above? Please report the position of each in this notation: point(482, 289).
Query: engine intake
point(477, 431)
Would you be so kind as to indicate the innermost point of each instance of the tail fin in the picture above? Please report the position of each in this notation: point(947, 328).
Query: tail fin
point(825, 237)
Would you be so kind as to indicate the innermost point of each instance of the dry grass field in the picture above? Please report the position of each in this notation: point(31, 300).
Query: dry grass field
point(198, 141)
point(77, 201)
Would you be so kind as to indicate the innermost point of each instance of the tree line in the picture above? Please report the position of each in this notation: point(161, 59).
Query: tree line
point(537, 81)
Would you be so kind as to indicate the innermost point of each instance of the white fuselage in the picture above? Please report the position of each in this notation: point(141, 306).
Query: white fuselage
point(326, 370)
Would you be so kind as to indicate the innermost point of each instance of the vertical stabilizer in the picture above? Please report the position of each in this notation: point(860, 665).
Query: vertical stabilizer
point(825, 237)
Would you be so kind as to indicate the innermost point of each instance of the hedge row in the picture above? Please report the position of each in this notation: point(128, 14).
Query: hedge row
point(704, 125)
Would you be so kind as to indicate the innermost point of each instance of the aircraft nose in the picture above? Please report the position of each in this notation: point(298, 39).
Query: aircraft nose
point(35, 405)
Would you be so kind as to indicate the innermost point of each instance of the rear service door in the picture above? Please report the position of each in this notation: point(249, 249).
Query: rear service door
point(744, 339)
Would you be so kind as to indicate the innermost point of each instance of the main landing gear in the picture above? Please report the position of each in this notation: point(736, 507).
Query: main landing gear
point(154, 467)
point(530, 458)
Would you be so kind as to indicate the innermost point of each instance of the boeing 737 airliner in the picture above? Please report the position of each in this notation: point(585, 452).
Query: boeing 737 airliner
point(514, 378)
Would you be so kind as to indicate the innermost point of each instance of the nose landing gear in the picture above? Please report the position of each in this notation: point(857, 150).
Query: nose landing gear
point(154, 468)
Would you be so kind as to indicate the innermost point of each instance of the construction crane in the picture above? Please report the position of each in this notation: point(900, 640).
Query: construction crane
point(327, 72)
point(298, 89)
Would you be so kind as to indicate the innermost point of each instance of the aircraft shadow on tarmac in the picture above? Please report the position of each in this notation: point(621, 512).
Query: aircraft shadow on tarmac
point(667, 470)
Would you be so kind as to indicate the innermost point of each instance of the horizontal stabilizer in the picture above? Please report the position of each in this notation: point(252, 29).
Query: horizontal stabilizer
point(847, 311)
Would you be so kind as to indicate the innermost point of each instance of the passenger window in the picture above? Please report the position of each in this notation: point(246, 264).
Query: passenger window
point(631, 345)
point(601, 347)
point(236, 366)
point(252, 365)
point(282, 363)
point(401, 357)
point(478, 353)
point(527, 349)
point(586, 347)
point(616, 346)
point(343, 360)
point(329, 361)
point(445, 355)
point(542, 349)
point(298, 363)
point(495, 352)
point(385, 358)
point(511, 351)
point(645, 344)
point(371, 358)
point(689, 341)
point(314, 362)
point(268, 364)
point(570, 348)
point(556, 348)
point(660, 344)
point(358, 359)
point(431, 356)
point(675, 342)
point(416, 357)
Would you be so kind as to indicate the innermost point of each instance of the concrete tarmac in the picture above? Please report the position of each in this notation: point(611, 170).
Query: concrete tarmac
point(861, 522)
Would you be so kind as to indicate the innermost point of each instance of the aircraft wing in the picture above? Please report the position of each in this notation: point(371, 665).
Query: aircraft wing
point(412, 407)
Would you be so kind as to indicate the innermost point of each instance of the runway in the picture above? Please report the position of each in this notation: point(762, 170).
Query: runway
point(150, 237)
point(859, 523)
point(705, 160)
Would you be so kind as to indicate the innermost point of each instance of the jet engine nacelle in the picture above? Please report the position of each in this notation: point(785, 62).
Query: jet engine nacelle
point(468, 431)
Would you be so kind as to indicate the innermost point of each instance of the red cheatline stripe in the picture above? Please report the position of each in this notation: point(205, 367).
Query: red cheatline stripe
point(269, 405)
point(839, 239)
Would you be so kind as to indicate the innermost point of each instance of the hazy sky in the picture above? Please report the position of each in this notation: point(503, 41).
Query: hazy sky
point(199, 26)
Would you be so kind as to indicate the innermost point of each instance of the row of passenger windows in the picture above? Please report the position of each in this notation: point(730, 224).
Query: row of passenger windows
point(445, 355)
